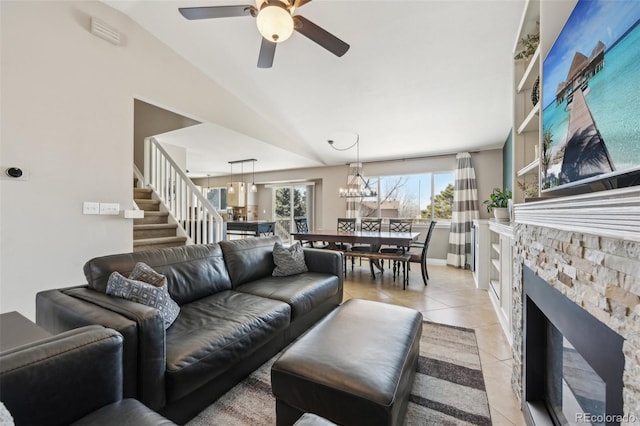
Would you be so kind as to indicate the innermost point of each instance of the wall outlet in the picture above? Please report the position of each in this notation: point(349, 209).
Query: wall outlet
point(89, 207)
point(110, 208)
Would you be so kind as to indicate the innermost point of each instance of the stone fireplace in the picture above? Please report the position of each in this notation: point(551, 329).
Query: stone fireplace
point(586, 250)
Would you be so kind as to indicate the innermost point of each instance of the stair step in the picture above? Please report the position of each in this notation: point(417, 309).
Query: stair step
point(154, 230)
point(148, 205)
point(154, 243)
point(142, 193)
point(152, 218)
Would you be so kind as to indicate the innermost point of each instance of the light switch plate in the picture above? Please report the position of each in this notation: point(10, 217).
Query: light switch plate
point(134, 214)
point(110, 208)
point(89, 207)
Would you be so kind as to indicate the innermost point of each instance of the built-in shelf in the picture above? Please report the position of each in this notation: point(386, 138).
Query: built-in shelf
point(530, 123)
point(495, 284)
point(529, 21)
point(496, 264)
point(526, 116)
point(530, 73)
point(531, 168)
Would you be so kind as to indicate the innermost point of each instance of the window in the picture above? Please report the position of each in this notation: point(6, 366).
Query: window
point(217, 197)
point(421, 197)
point(289, 203)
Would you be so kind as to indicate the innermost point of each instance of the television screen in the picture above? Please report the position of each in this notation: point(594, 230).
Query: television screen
point(591, 100)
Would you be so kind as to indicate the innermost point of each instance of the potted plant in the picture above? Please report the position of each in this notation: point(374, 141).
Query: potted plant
point(498, 202)
point(529, 45)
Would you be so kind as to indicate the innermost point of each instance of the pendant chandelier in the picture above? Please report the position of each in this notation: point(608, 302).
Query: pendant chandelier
point(254, 188)
point(357, 186)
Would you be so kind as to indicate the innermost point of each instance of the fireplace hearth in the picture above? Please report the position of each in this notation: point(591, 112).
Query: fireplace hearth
point(573, 363)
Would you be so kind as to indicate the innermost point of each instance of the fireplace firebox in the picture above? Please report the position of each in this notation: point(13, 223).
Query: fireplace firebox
point(573, 363)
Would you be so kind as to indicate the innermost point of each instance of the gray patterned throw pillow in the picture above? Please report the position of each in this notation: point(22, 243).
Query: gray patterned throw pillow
point(147, 294)
point(146, 274)
point(289, 261)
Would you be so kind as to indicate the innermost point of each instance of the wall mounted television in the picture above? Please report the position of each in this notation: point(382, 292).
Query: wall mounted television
point(591, 100)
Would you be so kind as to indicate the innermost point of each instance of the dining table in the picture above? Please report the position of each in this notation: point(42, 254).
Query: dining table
point(375, 239)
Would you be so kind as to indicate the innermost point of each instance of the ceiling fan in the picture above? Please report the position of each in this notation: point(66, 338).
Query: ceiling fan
point(276, 22)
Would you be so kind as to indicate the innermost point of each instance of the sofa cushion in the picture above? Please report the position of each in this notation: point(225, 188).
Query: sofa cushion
point(214, 333)
point(304, 292)
point(128, 412)
point(147, 294)
point(192, 271)
point(288, 260)
point(249, 259)
point(145, 273)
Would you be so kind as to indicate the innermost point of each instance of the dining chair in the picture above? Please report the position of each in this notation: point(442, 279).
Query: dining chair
point(347, 225)
point(366, 224)
point(421, 257)
point(400, 225)
point(397, 225)
point(302, 226)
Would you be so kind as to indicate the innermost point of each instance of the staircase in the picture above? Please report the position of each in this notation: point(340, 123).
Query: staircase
point(154, 230)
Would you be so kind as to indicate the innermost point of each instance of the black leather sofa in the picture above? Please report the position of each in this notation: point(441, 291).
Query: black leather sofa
point(234, 316)
point(73, 378)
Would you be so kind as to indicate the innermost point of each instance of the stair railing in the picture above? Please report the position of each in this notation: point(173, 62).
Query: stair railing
point(182, 198)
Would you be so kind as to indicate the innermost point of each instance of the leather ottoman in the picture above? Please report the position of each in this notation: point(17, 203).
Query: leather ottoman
point(355, 367)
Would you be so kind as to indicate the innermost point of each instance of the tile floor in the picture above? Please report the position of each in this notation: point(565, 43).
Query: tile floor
point(451, 298)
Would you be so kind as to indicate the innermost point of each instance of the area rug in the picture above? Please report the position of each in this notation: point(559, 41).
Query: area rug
point(448, 389)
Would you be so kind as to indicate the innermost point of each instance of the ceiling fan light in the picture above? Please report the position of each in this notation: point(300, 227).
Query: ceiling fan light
point(275, 23)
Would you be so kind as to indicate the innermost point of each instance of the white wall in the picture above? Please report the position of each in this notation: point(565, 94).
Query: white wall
point(149, 120)
point(67, 117)
point(329, 206)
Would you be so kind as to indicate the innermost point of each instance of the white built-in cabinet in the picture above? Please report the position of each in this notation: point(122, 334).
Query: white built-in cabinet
point(501, 254)
point(481, 259)
point(493, 254)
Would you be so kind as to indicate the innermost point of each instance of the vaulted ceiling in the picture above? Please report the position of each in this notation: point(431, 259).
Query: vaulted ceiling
point(421, 77)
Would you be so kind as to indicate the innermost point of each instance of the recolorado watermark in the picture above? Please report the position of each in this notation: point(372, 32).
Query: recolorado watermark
point(605, 418)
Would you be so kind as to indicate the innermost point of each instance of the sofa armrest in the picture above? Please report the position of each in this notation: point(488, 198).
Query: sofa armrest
point(142, 327)
point(327, 261)
point(64, 377)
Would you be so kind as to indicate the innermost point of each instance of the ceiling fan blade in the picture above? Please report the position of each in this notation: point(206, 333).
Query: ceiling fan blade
point(324, 38)
point(299, 3)
point(209, 12)
point(267, 52)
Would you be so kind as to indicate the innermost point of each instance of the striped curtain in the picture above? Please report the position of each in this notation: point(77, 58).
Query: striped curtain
point(465, 210)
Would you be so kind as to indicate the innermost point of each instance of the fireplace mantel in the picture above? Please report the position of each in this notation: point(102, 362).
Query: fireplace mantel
point(614, 213)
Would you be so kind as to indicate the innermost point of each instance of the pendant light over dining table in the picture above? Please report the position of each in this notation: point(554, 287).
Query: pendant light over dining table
point(357, 185)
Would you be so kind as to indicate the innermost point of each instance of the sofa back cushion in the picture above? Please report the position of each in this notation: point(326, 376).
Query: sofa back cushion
point(192, 272)
point(250, 259)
